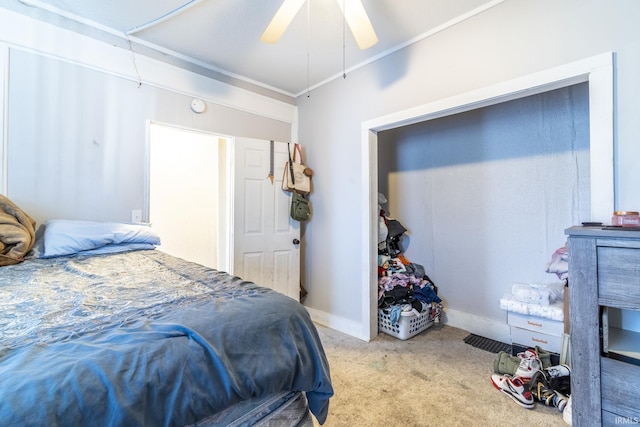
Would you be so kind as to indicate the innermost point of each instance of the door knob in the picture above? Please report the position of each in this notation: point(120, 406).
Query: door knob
point(296, 241)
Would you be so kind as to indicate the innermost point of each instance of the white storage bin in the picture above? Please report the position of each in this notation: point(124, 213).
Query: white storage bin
point(530, 339)
point(408, 326)
point(535, 323)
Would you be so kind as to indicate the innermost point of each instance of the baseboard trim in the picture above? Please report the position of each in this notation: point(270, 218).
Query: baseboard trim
point(340, 324)
point(484, 327)
point(477, 325)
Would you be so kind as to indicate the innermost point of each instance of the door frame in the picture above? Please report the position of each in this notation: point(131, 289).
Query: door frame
point(4, 111)
point(596, 70)
point(225, 225)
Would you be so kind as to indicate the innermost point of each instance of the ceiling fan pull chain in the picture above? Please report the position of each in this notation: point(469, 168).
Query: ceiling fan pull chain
point(135, 65)
point(308, 48)
point(344, 49)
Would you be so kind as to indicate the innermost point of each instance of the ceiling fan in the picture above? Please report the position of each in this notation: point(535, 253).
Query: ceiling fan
point(353, 11)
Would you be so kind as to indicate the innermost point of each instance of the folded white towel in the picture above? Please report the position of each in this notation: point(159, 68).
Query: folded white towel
point(536, 293)
point(553, 311)
point(530, 294)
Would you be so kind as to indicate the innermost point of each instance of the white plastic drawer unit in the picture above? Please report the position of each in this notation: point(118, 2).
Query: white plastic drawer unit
point(531, 339)
point(535, 323)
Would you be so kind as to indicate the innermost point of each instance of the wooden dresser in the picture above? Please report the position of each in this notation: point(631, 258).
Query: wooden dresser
point(604, 286)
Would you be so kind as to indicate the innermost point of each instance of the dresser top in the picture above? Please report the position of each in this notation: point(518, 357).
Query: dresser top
point(618, 232)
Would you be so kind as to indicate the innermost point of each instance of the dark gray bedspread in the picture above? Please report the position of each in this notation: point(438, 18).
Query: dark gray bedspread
point(146, 339)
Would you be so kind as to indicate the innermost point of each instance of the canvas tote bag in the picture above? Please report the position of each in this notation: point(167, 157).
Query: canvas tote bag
point(295, 177)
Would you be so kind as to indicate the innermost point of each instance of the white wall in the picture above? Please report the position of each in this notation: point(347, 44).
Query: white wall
point(513, 39)
point(487, 194)
point(74, 127)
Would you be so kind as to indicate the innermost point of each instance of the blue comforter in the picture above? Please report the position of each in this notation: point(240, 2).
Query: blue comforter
point(146, 339)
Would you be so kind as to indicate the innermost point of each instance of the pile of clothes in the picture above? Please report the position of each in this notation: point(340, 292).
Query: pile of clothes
point(402, 284)
point(529, 377)
point(559, 264)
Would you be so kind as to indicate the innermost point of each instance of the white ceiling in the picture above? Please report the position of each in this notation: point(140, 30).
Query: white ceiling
point(223, 36)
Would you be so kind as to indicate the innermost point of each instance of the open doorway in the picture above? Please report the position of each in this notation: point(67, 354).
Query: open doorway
point(187, 187)
point(211, 199)
point(597, 71)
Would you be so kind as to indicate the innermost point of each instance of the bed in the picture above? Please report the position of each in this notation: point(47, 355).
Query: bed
point(122, 334)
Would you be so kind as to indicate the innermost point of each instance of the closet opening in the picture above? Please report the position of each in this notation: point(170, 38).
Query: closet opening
point(593, 75)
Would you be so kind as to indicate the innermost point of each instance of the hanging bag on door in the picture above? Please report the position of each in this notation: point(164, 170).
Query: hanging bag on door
point(300, 207)
point(296, 175)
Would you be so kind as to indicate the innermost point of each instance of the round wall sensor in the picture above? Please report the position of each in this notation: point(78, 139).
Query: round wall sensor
point(197, 105)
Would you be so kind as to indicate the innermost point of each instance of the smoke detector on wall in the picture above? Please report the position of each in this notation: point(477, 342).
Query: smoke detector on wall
point(198, 105)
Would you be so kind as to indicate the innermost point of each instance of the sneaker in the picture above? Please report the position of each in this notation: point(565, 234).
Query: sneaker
point(539, 377)
point(540, 388)
point(559, 401)
point(529, 365)
point(542, 392)
point(566, 414)
point(527, 354)
point(558, 371)
point(514, 388)
point(561, 384)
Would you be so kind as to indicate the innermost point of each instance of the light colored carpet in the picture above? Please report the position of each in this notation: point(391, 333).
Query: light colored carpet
point(432, 379)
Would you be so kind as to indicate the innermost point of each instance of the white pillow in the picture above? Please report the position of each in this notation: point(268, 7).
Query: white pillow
point(67, 237)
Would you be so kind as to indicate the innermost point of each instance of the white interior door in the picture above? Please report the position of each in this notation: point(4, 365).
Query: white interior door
point(266, 239)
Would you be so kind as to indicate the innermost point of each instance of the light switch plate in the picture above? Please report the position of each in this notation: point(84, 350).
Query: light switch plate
point(136, 215)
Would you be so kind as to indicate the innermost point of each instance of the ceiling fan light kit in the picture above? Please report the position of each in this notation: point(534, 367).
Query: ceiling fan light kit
point(281, 20)
point(353, 12)
point(359, 23)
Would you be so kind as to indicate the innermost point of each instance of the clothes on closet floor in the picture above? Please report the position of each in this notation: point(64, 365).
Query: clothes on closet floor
point(402, 284)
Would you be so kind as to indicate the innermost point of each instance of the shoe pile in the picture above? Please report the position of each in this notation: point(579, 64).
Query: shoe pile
point(529, 377)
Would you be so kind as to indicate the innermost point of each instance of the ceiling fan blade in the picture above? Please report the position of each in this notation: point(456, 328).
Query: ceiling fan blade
point(359, 23)
point(281, 20)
